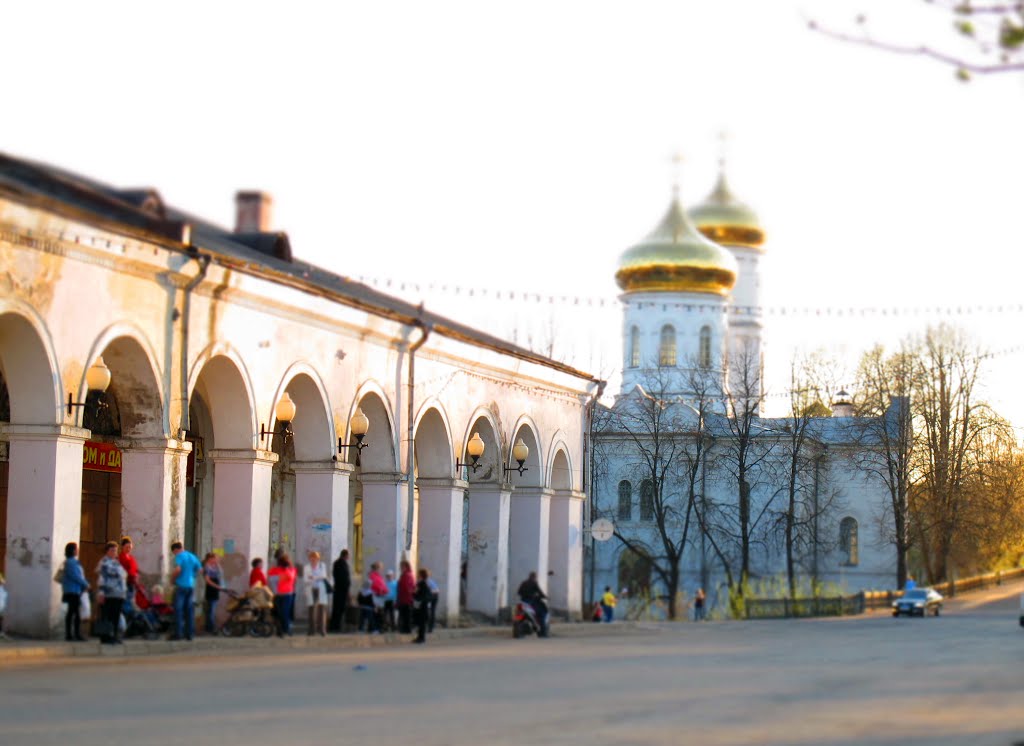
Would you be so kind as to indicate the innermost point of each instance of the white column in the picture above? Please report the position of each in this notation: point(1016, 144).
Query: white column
point(384, 498)
point(241, 510)
point(565, 553)
point(487, 566)
point(44, 512)
point(440, 540)
point(153, 501)
point(529, 515)
point(321, 508)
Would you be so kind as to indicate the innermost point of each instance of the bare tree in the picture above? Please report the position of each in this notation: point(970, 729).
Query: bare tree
point(808, 501)
point(952, 422)
point(884, 430)
point(743, 451)
point(656, 434)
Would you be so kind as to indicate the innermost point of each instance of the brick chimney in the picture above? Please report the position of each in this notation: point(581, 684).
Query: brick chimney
point(252, 212)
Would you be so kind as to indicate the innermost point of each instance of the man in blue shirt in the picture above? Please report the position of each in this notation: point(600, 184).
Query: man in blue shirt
point(186, 565)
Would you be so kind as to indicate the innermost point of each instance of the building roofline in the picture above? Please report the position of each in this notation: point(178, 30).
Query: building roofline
point(79, 198)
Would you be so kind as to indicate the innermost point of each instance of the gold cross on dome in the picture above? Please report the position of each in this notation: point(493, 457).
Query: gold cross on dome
point(723, 148)
point(676, 161)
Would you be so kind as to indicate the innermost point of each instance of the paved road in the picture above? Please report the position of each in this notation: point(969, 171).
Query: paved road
point(958, 679)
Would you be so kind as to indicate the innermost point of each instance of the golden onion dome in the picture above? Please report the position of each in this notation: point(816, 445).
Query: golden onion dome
point(723, 218)
point(675, 257)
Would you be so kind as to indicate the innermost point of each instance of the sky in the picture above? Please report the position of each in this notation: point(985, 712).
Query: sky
point(523, 146)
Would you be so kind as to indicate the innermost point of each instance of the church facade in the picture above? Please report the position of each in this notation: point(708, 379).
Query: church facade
point(171, 380)
point(683, 462)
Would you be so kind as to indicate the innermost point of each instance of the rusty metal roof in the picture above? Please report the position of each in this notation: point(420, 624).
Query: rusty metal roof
point(143, 213)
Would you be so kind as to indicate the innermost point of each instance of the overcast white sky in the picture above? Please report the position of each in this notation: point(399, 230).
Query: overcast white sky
point(525, 145)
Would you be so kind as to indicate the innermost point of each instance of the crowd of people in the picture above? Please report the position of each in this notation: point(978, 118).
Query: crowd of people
point(384, 603)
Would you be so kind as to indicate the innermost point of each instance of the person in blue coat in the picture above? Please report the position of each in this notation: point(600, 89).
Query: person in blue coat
point(73, 585)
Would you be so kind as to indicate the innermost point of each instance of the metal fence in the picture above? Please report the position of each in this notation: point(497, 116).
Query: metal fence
point(789, 608)
point(792, 608)
point(884, 599)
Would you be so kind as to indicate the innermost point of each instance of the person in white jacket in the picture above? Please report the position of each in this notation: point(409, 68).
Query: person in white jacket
point(317, 591)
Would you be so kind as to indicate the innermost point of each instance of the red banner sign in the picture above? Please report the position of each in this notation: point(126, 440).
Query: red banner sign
point(101, 457)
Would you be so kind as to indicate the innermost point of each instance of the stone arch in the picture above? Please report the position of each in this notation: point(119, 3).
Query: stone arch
point(533, 476)
point(313, 427)
point(380, 456)
point(29, 366)
point(135, 380)
point(559, 470)
point(433, 442)
point(484, 422)
point(220, 378)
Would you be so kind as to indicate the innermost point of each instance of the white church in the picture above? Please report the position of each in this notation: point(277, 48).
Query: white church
point(687, 420)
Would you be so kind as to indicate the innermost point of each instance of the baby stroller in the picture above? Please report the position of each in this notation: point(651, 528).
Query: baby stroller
point(144, 618)
point(251, 613)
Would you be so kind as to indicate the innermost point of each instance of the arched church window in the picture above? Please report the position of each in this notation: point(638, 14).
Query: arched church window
point(647, 500)
point(625, 501)
point(849, 554)
point(704, 353)
point(633, 361)
point(667, 348)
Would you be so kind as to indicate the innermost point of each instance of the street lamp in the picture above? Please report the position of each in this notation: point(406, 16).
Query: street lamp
point(284, 413)
point(520, 452)
point(97, 379)
point(475, 449)
point(359, 424)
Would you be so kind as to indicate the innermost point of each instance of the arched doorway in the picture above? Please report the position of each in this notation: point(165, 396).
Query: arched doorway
point(439, 507)
point(131, 480)
point(634, 576)
point(377, 497)
point(238, 506)
point(5, 419)
point(565, 544)
point(40, 497)
point(309, 491)
point(484, 552)
point(529, 513)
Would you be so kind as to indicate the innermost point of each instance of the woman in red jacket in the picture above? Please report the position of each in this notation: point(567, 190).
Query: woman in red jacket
point(406, 590)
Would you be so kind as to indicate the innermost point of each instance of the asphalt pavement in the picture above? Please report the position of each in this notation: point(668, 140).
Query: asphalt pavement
point(873, 679)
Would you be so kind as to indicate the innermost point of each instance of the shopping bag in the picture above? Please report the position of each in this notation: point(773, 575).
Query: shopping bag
point(103, 628)
point(85, 607)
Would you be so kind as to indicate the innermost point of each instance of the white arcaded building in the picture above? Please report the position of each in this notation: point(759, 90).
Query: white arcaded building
point(692, 333)
point(208, 332)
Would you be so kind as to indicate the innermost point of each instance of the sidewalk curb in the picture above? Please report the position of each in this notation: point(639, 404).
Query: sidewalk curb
point(15, 652)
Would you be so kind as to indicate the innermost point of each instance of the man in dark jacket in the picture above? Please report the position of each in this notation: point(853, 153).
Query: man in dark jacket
point(342, 584)
point(531, 593)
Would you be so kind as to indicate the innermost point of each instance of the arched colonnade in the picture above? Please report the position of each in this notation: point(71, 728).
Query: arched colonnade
point(208, 477)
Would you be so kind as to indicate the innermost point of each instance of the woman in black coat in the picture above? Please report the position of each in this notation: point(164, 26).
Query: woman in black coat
point(421, 602)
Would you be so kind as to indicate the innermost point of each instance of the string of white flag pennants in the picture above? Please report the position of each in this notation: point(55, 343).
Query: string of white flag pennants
point(989, 355)
point(522, 296)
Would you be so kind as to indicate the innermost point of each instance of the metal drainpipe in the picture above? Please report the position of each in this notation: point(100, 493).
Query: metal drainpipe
point(592, 405)
point(186, 307)
point(411, 447)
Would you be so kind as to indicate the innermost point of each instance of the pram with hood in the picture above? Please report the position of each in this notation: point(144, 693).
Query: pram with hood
point(251, 613)
point(147, 617)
